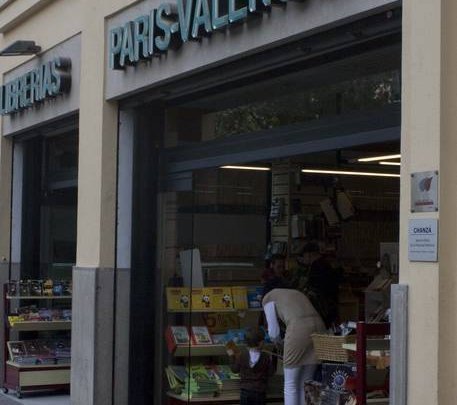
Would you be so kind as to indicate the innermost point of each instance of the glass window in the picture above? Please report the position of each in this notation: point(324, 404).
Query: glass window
point(49, 207)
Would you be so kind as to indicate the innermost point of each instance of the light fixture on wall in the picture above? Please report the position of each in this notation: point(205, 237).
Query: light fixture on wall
point(18, 48)
point(378, 158)
point(256, 168)
point(349, 173)
point(390, 163)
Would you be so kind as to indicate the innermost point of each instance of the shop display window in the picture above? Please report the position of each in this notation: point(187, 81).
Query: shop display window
point(231, 228)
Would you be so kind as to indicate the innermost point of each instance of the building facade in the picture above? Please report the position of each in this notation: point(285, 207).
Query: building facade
point(115, 139)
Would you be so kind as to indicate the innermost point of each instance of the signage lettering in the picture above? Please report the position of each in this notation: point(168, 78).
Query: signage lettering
point(423, 230)
point(171, 25)
point(47, 81)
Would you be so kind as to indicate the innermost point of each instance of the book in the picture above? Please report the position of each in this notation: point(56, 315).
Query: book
point(201, 335)
point(201, 298)
point(180, 335)
point(240, 297)
point(16, 349)
point(255, 294)
point(236, 335)
point(24, 288)
point(176, 336)
point(36, 287)
point(219, 339)
point(178, 298)
point(221, 297)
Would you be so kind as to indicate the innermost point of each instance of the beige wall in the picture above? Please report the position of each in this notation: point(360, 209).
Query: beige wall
point(447, 371)
point(59, 29)
point(429, 142)
point(421, 126)
point(51, 24)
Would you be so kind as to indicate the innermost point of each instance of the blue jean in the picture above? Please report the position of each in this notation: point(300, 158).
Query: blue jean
point(294, 383)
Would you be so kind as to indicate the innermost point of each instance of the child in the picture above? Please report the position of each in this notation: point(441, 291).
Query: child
point(254, 367)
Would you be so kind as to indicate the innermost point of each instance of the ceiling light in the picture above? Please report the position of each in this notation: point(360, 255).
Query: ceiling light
point(21, 48)
point(349, 173)
point(377, 158)
point(257, 168)
point(390, 163)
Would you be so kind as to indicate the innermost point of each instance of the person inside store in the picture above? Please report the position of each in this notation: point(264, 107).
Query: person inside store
point(274, 268)
point(255, 367)
point(292, 319)
point(322, 284)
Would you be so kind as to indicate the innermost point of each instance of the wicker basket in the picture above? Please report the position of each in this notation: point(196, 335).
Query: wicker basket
point(329, 347)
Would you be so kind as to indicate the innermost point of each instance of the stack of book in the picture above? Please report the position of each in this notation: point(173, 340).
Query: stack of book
point(201, 383)
point(229, 381)
point(176, 375)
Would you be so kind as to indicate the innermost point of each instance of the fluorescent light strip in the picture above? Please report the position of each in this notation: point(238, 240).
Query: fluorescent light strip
point(390, 163)
point(257, 168)
point(347, 173)
point(377, 158)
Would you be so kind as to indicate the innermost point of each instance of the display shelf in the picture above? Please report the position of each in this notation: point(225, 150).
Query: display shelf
point(206, 350)
point(38, 297)
point(379, 401)
point(37, 366)
point(219, 399)
point(185, 311)
point(40, 325)
point(33, 377)
point(372, 345)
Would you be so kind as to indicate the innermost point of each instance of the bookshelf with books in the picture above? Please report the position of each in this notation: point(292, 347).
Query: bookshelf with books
point(37, 328)
point(202, 324)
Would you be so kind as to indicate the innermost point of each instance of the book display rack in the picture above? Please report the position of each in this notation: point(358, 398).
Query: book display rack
point(202, 324)
point(37, 348)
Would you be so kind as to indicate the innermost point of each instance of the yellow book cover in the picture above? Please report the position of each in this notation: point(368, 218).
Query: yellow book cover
point(201, 298)
point(240, 297)
point(178, 298)
point(221, 298)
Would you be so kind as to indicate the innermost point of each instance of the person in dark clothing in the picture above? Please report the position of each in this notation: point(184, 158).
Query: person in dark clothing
point(323, 283)
point(254, 367)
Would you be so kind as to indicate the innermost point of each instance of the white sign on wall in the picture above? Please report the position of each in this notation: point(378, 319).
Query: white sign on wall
point(423, 240)
point(424, 192)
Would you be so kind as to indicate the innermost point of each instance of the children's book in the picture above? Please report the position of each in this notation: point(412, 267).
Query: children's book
point(175, 336)
point(201, 335)
point(221, 298)
point(178, 298)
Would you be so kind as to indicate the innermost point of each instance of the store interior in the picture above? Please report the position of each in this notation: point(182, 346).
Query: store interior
point(226, 230)
point(253, 177)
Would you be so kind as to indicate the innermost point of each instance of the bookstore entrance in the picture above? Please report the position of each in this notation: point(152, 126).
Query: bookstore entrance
point(288, 182)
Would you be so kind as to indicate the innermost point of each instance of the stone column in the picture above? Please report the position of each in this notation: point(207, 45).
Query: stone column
point(93, 275)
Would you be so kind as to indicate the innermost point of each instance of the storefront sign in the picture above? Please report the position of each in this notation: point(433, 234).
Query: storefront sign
point(424, 192)
point(44, 82)
point(423, 240)
point(171, 25)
